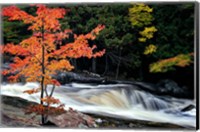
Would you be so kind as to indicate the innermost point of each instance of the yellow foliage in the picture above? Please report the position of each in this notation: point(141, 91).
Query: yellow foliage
point(142, 39)
point(147, 33)
point(139, 15)
point(150, 49)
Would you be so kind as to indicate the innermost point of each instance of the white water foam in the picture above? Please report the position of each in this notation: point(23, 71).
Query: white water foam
point(114, 100)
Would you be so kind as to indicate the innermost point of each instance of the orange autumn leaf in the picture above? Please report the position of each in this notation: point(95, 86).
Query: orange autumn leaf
point(44, 110)
point(5, 72)
point(32, 91)
point(50, 100)
point(55, 82)
point(13, 79)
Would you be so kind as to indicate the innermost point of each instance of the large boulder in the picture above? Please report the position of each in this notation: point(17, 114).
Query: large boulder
point(13, 115)
point(84, 77)
point(72, 119)
point(163, 87)
point(170, 87)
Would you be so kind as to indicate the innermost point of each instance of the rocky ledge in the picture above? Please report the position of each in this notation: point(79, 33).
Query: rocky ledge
point(13, 115)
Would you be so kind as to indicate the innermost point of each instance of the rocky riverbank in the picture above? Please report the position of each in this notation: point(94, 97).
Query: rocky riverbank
point(13, 115)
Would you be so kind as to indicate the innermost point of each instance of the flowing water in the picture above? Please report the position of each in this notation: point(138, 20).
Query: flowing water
point(114, 100)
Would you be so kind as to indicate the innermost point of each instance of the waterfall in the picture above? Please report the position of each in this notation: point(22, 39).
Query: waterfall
point(114, 100)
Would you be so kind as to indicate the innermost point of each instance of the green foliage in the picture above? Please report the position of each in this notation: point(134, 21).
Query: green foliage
point(14, 31)
point(118, 34)
point(117, 31)
point(175, 25)
point(165, 65)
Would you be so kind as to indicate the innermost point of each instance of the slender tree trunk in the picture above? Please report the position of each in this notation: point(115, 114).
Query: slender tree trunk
point(118, 65)
point(106, 65)
point(74, 62)
point(42, 84)
point(75, 65)
point(43, 72)
point(141, 72)
point(94, 63)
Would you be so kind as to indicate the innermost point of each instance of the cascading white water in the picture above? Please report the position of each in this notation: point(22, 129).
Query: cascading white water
point(114, 100)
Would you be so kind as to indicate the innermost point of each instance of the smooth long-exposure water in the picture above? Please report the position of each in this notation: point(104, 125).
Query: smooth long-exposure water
point(114, 100)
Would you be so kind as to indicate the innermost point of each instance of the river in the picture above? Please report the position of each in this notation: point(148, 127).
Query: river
point(123, 101)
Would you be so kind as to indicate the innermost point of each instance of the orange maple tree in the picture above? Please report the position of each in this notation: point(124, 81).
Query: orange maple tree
point(43, 54)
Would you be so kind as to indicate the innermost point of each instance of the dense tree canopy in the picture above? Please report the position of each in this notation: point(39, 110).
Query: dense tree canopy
point(136, 38)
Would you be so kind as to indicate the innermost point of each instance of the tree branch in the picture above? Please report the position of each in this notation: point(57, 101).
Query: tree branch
point(45, 89)
point(52, 91)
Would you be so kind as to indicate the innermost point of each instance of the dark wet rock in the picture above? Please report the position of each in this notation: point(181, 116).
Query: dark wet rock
point(66, 77)
point(164, 87)
point(63, 77)
point(15, 102)
point(170, 87)
point(131, 125)
point(188, 108)
point(147, 86)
